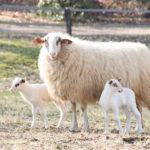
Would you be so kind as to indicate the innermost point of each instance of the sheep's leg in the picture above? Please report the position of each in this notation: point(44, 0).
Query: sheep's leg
point(62, 109)
point(118, 121)
point(74, 118)
point(86, 125)
point(128, 119)
point(138, 118)
point(106, 122)
point(34, 110)
point(43, 114)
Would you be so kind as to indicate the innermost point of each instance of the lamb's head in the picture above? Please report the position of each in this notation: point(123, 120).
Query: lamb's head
point(17, 84)
point(115, 85)
point(52, 43)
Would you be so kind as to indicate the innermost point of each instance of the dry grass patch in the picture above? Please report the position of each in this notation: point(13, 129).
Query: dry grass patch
point(16, 119)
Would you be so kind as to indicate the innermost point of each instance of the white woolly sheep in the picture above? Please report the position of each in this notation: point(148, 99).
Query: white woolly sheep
point(37, 96)
point(76, 70)
point(113, 98)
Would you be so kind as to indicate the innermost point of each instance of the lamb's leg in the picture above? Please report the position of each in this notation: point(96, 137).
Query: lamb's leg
point(74, 118)
point(138, 118)
point(86, 125)
point(62, 108)
point(128, 119)
point(106, 122)
point(34, 109)
point(118, 121)
point(139, 107)
point(43, 114)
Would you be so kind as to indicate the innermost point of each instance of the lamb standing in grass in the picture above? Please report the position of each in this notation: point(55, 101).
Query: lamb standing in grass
point(37, 95)
point(114, 97)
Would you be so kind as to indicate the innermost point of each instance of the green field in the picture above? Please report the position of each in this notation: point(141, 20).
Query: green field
point(18, 57)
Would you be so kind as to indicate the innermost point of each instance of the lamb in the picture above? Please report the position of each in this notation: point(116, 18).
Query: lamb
point(114, 97)
point(76, 70)
point(37, 96)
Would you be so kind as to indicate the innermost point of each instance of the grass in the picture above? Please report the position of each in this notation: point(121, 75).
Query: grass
point(18, 57)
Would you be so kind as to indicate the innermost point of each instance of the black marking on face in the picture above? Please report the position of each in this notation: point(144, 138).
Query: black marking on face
point(110, 82)
point(119, 80)
point(22, 81)
point(16, 85)
point(59, 40)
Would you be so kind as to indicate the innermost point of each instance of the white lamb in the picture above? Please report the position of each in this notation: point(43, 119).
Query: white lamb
point(37, 95)
point(114, 97)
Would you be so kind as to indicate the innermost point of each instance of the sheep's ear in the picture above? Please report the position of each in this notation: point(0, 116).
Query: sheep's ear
point(22, 81)
point(119, 80)
point(66, 41)
point(39, 40)
point(110, 82)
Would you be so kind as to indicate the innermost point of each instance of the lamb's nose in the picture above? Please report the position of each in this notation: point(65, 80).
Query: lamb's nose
point(121, 90)
point(10, 90)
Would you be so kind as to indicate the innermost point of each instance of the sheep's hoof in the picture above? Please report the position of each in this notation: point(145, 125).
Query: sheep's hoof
point(139, 131)
point(85, 129)
point(74, 129)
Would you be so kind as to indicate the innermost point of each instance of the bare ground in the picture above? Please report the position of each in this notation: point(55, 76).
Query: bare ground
point(76, 30)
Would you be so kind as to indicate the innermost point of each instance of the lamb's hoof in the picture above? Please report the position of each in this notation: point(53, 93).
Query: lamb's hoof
point(126, 132)
point(47, 126)
point(59, 126)
point(74, 129)
point(121, 133)
point(106, 132)
point(32, 126)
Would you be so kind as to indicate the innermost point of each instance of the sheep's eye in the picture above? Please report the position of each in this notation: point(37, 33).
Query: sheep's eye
point(16, 85)
point(46, 43)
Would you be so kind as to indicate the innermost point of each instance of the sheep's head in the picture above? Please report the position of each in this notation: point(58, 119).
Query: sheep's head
point(52, 43)
point(115, 85)
point(17, 84)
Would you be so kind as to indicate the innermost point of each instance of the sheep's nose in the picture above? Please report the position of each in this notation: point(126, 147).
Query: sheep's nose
point(53, 55)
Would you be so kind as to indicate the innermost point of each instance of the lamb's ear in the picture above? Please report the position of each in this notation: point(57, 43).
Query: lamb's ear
point(66, 41)
point(39, 40)
point(22, 81)
point(110, 82)
point(119, 80)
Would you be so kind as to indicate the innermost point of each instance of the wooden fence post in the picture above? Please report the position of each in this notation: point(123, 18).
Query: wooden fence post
point(68, 21)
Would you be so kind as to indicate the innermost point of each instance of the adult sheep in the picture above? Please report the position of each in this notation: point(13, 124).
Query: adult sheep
point(76, 70)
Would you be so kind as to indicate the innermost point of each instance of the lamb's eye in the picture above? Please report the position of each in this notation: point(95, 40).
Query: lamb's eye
point(16, 85)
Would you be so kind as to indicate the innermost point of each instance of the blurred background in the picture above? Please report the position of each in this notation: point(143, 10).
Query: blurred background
point(85, 17)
